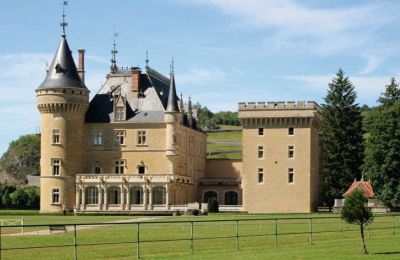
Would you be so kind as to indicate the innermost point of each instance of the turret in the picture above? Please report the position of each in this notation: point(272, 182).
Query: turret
point(62, 100)
point(190, 112)
point(171, 117)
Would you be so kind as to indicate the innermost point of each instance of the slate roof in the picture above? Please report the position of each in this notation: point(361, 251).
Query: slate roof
point(62, 72)
point(364, 185)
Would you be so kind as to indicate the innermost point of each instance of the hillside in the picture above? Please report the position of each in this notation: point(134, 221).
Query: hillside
point(224, 143)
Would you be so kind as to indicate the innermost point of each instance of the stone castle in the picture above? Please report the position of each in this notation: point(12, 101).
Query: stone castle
point(137, 146)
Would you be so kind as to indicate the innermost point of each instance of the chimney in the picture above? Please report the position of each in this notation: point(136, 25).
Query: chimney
point(135, 80)
point(81, 68)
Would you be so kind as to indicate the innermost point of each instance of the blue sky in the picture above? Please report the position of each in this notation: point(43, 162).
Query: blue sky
point(225, 51)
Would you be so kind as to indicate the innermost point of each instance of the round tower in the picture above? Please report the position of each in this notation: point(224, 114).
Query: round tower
point(171, 118)
point(62, 100)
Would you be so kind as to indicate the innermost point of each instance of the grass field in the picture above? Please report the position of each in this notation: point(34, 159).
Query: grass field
point(257, 238)
point(235, 136)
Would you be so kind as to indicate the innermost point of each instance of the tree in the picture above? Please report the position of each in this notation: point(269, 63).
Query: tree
point(391, 94)
point(382, 156)
point(22, 157)
point(342, 138)
point(19, 199)
point(354, 211)
point(212, 205)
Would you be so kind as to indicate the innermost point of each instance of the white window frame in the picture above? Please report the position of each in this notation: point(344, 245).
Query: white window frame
point(56, 136)
point(260, 172)
point(290, 173)
point(120, 137)
point(261, 130)
point(119, 113)
point(119, 166)
point(290, 151)
point(97, 138)
point(260, 152)
point(55, 192)
point(141, 137)
point(290, 127)
point(56, 166)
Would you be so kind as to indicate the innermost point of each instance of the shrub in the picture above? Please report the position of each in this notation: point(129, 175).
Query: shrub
point(212, 205)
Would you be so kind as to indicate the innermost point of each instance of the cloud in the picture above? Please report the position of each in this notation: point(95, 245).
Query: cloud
point(371, 65)
point(199, 76)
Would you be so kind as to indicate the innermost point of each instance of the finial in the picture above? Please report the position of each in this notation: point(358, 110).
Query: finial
point(172, 65)
point(64, 24)
point(147, 58)
point(114, 52)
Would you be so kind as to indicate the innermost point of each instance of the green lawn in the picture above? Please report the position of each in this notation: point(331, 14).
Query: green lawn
point(225, 136)
point(257, 239)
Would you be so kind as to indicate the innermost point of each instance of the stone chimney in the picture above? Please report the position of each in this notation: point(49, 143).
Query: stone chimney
point(135, 80)
point(81, 67)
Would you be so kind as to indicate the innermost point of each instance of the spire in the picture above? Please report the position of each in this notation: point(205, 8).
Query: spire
point(147, 58)
point(172, 98)
point(114, 51)
point(62, 72)
point(181, 105)
point(190, 112)
point(64, 24)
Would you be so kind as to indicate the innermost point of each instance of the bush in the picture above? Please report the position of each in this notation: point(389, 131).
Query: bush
point(212, 205)
point(12, 197)
point(195, 212)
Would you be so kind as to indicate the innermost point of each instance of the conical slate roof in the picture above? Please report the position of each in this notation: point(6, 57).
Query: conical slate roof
point(62, 72)
point(172, 105)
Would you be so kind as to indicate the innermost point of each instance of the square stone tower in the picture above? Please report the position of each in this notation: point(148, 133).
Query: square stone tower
point(281, 155)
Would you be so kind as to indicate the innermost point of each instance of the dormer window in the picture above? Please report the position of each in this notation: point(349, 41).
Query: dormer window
point(119, 113)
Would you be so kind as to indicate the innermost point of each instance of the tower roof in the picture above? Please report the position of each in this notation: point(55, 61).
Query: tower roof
point(62, 72)
point(172, 105)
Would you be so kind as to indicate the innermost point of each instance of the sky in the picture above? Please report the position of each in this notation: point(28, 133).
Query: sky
point(225, 51)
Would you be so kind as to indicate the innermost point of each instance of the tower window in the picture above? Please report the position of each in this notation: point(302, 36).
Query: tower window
point(290, 151)
point(55, 164)
point(119, 113)
point(141, 137)
point(97, 169)
point(56, 136)
point(260, 153)
point(290, 175)
point(55, 196)
point(119, 166)
point(120, 137)
point(291, 131)
point(98, 138)
point(260, 175)
point(261, 131)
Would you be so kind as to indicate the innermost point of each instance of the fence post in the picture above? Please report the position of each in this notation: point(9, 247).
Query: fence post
point(341, 228)
point(310, 221)
point(276, 232)
point(394, 227)
point(22, 223)
point(237, 234)
point(191, 237)
point(75, 245)
point(138, 240)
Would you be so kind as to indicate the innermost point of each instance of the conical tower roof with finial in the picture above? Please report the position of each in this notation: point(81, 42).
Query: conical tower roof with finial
point(172, 105)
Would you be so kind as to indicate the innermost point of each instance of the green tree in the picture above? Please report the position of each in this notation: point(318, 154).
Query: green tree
point(5, 199)
point(22, 157)
point(354, 211)
point(342, 138)
point(212, 205)
point(391, 94)
point(33, 197)
point(382, 156)
point(19, 199)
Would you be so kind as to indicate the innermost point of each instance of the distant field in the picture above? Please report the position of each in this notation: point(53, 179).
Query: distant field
point(257, 241)
point(222, 144)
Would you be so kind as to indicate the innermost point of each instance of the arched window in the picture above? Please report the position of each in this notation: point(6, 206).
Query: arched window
point(92, 195)
point(210, 194)
point(136, 195)
point(231, 198)
point(159, 194)
point(114, 195)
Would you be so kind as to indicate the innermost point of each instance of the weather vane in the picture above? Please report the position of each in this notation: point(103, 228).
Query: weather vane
point(64, 24)
point(114, 51)
point(172, 65)
point(147, 58)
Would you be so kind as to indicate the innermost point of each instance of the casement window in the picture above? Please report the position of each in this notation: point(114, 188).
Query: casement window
point(290, 175)
point(291, 131)
point(56, 136)
point(260, 175)
point(119, 114)
point(55, 165)
point(119, 166)
point(260, 131)
point(141, 137)
point(55, 195)
point(290, 151)
point(97, 169)
point(98, 138)
point(120, 137)
point(260, 152)
point(92, 195)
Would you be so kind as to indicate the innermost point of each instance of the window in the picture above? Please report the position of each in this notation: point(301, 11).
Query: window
point(120, 137)
point(260, 175)
point(141, 169)
point(231, 198)
point(56, 136)
point(136, 195)
point(119, 166)
point(290, 151)
point(260, 131)
point(55, 196)
point(97, 169)
point(159, 195)
point(119, 113)
point(114, 195)
point(290, 175)
point(55, 164)
point(290, 131)
point(260, 152)
point(209, 195)
point(141, 137)
point(92, 195)
point(98, 138)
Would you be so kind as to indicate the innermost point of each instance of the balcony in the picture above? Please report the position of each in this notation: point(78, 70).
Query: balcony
point(112, 178)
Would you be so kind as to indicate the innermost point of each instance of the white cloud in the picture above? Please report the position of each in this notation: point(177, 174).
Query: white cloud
point(199, 76)
point(372, 63)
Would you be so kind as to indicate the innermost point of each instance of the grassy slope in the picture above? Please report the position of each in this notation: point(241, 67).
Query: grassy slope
point(225, 136)
point(327, 245)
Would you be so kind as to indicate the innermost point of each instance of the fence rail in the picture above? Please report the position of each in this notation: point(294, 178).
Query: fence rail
point(84, 235)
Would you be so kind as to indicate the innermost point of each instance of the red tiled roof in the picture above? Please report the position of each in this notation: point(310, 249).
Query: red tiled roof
point(364, 185)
